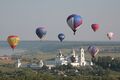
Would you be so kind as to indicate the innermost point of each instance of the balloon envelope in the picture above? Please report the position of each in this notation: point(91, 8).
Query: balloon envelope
point(95, 27)
point(93, 50)
point(13, 41)
point(110, 35)
point(74, 21)
point(41, 32)
point(61, 37)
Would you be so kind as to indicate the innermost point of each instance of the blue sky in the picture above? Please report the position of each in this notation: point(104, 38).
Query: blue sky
point(22, 17)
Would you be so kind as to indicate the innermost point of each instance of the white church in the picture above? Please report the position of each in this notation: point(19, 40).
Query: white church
point(72, 59)
point(76, 60)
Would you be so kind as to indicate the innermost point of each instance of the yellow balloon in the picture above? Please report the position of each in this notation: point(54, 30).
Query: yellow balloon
point(13, 41)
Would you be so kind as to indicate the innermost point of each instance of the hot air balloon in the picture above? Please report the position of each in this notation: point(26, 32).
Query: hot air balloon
point(61, 37)
point(95, 27)
point(93, 51)
point(74, 21)
point(110, 35)
point(13, 41)
point(41, 32)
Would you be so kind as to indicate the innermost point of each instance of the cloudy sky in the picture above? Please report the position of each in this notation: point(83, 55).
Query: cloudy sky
point(22, 17)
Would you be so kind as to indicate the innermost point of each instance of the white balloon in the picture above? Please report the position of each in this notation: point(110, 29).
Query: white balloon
point(110, 35)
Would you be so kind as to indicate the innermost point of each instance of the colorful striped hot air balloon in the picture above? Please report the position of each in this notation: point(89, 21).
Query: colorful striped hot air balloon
point(74, 21)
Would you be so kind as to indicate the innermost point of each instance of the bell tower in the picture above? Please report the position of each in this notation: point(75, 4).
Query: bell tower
point(82, 57)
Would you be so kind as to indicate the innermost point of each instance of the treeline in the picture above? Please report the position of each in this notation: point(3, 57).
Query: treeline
point(28, 74)
point(108, 62)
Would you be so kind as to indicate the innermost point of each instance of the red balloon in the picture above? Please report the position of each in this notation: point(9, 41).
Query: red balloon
point(95, 27)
